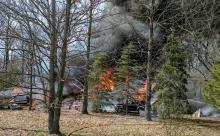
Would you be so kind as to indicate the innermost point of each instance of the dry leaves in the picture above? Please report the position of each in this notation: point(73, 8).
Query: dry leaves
point(29, 123)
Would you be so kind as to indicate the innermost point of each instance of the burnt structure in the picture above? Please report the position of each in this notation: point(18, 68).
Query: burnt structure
point(126, 20)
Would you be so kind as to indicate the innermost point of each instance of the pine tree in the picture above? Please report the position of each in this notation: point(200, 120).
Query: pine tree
point(172, 80)
point(126, 69)
point(211, 89)
point(96, 69)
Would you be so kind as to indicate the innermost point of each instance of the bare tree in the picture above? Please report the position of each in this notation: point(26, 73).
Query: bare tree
point(53, 26)
point(61, 75)
point(88, 46)
point(52, 74)
point(201, 30)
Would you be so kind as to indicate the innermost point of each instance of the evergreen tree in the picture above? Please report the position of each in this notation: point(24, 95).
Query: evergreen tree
point(211, 89)
point(172, 80)
point(126, 69)
point(96, 69)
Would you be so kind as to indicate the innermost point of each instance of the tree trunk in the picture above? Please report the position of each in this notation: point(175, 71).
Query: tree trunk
point(23, 64)
point(58, 101)
point(31, 82)
point(52, 74)
point(7, 48)
point(86, 88)
point(7, 45)
point(126, 102)
point(126, 95)
point(31, 59)
point(149, 65)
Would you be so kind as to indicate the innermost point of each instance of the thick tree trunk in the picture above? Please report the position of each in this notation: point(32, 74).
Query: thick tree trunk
point(148, 102)
point(85, 99)
point(56, 125)
point(52, 74)
point(86, 88)
point(63, 65)
point(149, 65)
point(58, 102)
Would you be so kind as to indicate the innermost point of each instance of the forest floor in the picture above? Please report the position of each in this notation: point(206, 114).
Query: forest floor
point(34, 123)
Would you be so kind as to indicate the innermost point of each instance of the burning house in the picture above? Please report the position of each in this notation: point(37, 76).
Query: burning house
point(120, 25)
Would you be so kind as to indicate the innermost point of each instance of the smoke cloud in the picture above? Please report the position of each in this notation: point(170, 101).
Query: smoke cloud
point(117, 25)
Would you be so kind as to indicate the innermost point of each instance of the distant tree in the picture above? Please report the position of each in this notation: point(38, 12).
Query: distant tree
point(211, 89)
point(172, 80)
point(125, 69)
point(14, 76)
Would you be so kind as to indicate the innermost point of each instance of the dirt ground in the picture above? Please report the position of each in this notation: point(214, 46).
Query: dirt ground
point(34, 123)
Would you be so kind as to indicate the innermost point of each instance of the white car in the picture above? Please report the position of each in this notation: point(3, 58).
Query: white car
point(107, 108)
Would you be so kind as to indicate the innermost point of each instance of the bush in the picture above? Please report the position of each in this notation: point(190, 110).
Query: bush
point(211, 90)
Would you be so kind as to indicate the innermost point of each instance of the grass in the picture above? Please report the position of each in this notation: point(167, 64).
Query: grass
point(34, 123)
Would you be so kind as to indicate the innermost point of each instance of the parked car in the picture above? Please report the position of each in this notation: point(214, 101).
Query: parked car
point(133, 107)
point(15, 102)
point(106, 108)
point(8, 103)
point(21, 99)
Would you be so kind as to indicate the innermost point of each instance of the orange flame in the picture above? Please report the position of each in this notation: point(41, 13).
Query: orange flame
point(141, 92)
point(105, 81)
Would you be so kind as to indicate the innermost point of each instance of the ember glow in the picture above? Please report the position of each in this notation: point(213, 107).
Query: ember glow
point(105, 81)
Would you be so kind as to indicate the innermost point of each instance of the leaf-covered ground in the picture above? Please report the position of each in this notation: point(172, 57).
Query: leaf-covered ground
point(28, 123)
